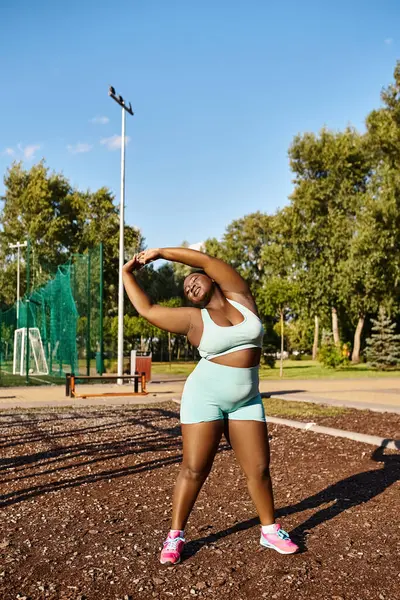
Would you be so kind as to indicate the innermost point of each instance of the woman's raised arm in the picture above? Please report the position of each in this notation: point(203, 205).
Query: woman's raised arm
point(223, 274)
point(175, 320)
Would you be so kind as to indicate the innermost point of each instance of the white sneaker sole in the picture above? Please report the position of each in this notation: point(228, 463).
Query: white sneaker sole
point(266, 544)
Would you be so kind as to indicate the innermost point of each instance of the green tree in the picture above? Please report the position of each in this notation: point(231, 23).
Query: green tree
point(383, 347)
point(370, 276)
point(276, 299)
point(180, 270)
point(331, 174)
point(100, 223)
point(383, 134)
point(59, 221)
point(299, 335)
point(364, 280)
point(258, 247)
point(242, 245)
point(43, 207)
point(278, 293)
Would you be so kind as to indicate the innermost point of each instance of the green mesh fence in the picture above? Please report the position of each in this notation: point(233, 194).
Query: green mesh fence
point(58, 328)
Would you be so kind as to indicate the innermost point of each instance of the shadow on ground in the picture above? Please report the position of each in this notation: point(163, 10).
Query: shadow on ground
point(280, 393)
point(58, 459)
point(344, 494)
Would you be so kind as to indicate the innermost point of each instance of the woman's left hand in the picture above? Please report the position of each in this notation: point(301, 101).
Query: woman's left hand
point(132, 265)
point(148, 256)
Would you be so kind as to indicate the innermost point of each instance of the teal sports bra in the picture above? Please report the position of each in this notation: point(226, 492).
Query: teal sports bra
point(217, 341)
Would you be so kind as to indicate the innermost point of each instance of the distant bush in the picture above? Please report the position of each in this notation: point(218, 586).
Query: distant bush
point(333, 356)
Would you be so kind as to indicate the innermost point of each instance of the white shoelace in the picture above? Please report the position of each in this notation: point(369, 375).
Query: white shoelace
point(171, 544)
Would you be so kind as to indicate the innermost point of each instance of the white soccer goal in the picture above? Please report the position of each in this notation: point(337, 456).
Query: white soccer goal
point(37, 358)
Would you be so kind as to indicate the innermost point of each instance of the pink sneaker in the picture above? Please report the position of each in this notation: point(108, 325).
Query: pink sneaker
point(172, 549)
point(279, 540)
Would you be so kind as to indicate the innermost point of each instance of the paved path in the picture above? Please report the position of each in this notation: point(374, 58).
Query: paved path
point(42, 396)
point(381, 394)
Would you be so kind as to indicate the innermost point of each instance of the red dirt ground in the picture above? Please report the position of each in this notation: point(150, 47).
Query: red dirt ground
point(86, 499)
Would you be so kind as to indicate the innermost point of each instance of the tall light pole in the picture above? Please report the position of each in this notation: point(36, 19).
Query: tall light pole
point(18, 245)
point(125, 109)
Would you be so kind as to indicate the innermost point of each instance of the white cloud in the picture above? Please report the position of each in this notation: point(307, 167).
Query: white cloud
point(100, 120)
point(79, 148)
point(28, 151)
point(114, 142)
point(389, 41)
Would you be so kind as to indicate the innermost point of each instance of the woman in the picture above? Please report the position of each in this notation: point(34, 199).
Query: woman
point(222, 392)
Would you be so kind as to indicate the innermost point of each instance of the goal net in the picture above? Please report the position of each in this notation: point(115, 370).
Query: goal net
point(37, 358)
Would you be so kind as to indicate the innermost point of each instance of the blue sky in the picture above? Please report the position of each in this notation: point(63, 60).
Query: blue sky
point(219, 89)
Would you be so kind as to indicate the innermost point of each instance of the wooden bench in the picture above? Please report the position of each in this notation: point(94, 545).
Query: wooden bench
point(72, 378)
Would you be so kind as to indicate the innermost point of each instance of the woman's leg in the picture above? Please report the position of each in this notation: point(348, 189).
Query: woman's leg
point(200, 444)
point(249, 440)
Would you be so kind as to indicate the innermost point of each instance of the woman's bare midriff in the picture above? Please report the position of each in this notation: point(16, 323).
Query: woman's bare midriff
point(242, 359)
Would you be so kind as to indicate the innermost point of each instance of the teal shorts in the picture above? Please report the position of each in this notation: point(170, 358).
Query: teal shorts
point(214, 392)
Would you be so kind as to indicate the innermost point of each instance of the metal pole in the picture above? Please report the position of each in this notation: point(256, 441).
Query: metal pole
point(28, 285)
point(101, 309)
point(121, 258)
point(119, 100)
point(18, 255)
point(88, 322)
point(282, 346)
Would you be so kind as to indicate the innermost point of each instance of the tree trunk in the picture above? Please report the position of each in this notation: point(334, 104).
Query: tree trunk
point(281, 367)
point(316, 338)
point(335, 327)
point(355, 357)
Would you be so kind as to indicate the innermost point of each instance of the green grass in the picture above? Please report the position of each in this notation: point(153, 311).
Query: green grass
point(178, 368)
point(9, 380)
point(292, 369)
point(300, 410)
point(308, 369)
